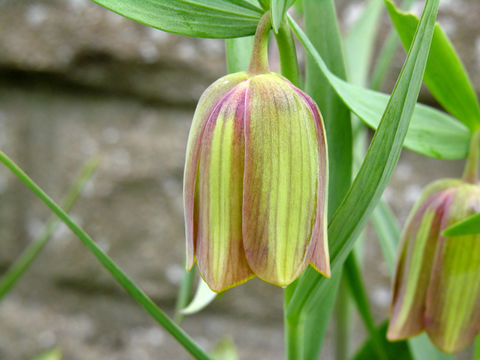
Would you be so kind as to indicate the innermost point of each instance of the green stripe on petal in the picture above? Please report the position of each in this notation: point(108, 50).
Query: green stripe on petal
point(280, 182)
point(210, 98)
point(419, 244)
point(453, 301)
point(220, 256)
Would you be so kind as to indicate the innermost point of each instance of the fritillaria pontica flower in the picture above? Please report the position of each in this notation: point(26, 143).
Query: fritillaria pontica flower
point(437, 282)
point(255, 179)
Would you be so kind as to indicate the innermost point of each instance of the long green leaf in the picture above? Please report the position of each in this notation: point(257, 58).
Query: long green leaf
point(31, 252)
point(379, 162)
point(108, 264)
point(432, 133)
point(445, 75)
point(199, 18)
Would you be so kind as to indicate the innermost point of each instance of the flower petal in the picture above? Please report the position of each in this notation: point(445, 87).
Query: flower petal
point(220, 256)
point(280, 182)
point(210, 98)
point(419, 244)
point(453, 299)
point(318, 247)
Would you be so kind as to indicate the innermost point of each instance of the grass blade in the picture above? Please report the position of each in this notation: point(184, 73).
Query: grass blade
point(108, 264)
point(22, 264)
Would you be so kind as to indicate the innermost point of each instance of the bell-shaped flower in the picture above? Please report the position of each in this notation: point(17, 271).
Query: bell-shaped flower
point(255, 182)
point(437, 282)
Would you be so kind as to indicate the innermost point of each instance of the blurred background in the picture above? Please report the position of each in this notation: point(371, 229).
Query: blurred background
point(78, 80)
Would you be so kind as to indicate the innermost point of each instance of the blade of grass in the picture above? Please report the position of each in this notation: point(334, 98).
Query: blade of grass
point(28, 256)
point(379, 162)
point(108, 263)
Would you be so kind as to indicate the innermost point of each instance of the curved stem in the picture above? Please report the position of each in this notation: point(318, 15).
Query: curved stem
point(288, 54)
point(470, 174)
point(259, 59)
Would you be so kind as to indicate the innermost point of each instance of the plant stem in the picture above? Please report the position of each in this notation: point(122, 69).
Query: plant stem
point(342, 321)
point(31, 252)
point(470, 173)
point(184, 294)
point(108, 263)
point(359, 294)
point(294, 328)
point(288, 54)
point(259, 59)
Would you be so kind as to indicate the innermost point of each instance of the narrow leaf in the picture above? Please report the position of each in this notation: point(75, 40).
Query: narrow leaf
point(238, 53)
point(431, 133)
point(198, 18)
point(379, 162)
point(28, 256)
point(108, 264)
point(445, 75)
point(202, 298)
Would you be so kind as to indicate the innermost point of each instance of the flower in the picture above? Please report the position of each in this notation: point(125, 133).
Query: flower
point(255, 182)
point(437, 282)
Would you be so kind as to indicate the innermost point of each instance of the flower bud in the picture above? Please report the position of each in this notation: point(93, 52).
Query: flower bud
point(437, 281)
point(255, 182)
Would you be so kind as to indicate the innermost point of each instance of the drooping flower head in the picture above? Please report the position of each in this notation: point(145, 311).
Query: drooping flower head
point(255, 179)
point(437, 282)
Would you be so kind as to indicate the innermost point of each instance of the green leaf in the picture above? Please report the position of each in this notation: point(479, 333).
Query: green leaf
point(29, 255)
point(379, 162)
point(184, 293)
point(202, 298)
point(199, 18)
point(469, 226)
point(108, 264)
point(445, 75)
point(54, 354)
point(396, 350)
point(277, 8)
point(360, 42)
point(432, 133)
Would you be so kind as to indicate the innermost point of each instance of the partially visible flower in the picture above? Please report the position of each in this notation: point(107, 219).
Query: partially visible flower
point(255, 182)
point(437, 282)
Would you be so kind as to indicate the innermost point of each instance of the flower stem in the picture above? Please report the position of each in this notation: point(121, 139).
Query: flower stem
point(288, 54)
point(470, 174)
point(259, 59)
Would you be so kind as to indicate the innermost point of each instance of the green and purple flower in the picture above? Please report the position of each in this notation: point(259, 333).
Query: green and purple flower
point(437, 282)
point(255, 182)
